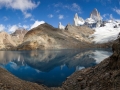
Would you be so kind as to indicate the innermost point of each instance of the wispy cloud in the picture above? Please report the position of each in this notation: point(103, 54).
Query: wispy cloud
point(27, 15)
point(103, 2)
point(32, 19)
point(116, 10)
point(73, 7)
point(5, 18)
point(76, 7)
point(61, 16)
point(50, 15)
point(107, 16)
point(57, 11)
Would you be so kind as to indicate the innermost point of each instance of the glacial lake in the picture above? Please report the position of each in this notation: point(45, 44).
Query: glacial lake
point(50, 67)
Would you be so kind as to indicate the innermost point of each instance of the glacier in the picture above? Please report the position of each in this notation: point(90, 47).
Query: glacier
point(107, 33)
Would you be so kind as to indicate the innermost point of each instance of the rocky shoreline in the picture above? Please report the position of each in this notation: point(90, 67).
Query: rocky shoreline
point(104, 76)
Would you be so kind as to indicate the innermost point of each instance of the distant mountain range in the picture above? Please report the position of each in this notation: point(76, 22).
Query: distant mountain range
point(92, 32)
point(105, 31)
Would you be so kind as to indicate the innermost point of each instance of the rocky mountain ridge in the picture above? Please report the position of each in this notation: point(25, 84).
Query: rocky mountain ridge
point(11, 41)
point(95, 15)
point(6, 41)
point(94, 20)
point(49, 37)
point(18, 36)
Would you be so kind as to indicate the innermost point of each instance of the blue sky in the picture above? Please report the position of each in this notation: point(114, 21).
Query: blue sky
point(24, 13)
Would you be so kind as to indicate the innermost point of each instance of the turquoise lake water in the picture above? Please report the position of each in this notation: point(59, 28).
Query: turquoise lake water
point(50, 67)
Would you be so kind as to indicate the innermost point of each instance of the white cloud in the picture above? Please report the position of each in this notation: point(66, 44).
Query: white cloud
point(22, 5)
point(2, 27)
point(25, 26)
point(50, 16)
point(36, 24)
point(12, 28)
point(61, 17)
point(116, 10)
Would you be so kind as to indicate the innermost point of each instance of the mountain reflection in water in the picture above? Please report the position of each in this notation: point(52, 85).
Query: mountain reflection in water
point(50, 67)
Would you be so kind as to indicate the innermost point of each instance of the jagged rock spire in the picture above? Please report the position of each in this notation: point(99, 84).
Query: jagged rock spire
point(95, 15)
point(78, 20)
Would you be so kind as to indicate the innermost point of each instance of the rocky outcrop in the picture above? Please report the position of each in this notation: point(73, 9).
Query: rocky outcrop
point(47, 37)
point(6, 41)
point(18, 35)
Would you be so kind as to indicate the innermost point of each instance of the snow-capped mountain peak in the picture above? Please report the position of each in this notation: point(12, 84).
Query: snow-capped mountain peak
point(78, 20)
point(95, 15)
point(105, 31)
point(60, 26)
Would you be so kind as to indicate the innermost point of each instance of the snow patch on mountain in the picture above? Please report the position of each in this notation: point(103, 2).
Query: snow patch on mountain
point(90, 21)
point(108, 32)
